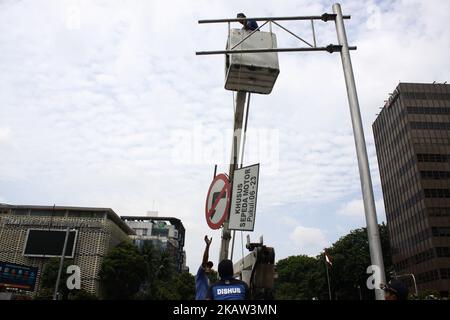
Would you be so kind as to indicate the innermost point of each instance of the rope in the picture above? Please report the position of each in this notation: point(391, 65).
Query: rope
point(244, 139)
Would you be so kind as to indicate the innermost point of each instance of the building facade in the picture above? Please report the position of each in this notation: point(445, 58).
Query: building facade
point(98, 230)
point(412, 139)
point(164, 233)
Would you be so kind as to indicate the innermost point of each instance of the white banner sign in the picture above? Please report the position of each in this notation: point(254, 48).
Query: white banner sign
point(243, 198)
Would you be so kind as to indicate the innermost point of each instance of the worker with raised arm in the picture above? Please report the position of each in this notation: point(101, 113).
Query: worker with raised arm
point(201, 279)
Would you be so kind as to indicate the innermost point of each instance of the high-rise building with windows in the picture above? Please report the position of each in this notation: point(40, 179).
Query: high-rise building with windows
point(412, 138)
point(165, 233)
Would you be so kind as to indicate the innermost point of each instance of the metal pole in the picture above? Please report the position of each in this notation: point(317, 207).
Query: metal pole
point(376, 255)
point(330, 48)
point(325, 17)
point(245, 130)
point(242, 158)
point(235, 148)
point(55, 294)
point(232, 244)
point(328, 276)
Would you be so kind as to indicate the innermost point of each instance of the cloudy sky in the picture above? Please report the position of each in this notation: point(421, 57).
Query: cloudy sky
point(104, 103)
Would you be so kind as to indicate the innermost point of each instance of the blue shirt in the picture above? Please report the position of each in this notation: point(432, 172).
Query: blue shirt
point(231, 289)
point(201, 284)
point(251, 25)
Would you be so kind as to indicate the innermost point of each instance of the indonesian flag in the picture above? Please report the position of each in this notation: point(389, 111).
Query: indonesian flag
point(327, 259)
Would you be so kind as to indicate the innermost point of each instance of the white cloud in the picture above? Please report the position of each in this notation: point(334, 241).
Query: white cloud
point(355, 209)
point(309, 241)
point(5, 135)
point(288, 221)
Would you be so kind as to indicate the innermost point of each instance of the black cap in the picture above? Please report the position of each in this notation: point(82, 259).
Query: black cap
point(209, 264)
point(241, 15)
point(225, 269)
point(397, 288)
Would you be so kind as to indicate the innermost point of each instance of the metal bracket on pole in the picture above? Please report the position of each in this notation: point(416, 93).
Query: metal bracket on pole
point(325, 17)
point(293, 34)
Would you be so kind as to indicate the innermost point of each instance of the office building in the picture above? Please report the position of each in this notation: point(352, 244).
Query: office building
point(412, 139)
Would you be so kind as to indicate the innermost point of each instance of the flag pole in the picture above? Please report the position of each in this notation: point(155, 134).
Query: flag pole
point(328, 276)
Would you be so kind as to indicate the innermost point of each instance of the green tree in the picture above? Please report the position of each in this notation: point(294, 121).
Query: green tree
point(149, 272)
point(213, 276)
point(160, 274)
point(180, 287)
point(184, 285)
point(302, 277)
point(298, 278)
point(122, 272)
point(45, 294)
point(351, 257)
point(429, 295)
point(81, 295)
point(49, 276)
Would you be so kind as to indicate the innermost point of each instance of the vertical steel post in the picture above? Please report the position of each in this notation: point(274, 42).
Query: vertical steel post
point(61, 263)
point(376, 255)
point(314, 33)
point(241, 160)
point(235, 148)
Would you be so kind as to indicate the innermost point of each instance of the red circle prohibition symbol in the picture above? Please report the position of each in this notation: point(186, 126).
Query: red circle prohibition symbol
point(226, 189)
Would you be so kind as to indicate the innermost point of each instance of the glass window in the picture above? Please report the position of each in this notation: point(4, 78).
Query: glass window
point(41, 213)
point(20, 212)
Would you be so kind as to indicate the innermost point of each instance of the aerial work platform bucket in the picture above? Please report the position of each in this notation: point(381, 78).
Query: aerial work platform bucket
point(251, 72)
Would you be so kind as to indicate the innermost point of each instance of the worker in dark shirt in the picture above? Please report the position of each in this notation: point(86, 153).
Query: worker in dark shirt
point(248, 24)
point(227, 288)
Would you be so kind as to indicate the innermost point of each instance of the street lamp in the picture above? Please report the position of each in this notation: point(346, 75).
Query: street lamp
point(405, 276)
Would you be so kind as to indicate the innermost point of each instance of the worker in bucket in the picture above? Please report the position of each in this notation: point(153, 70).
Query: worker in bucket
point(201, 279)
point(227, 288)
point(248, 24)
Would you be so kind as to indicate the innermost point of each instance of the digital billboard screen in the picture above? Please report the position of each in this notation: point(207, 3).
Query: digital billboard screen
point(17, 276)
point(49, 243)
